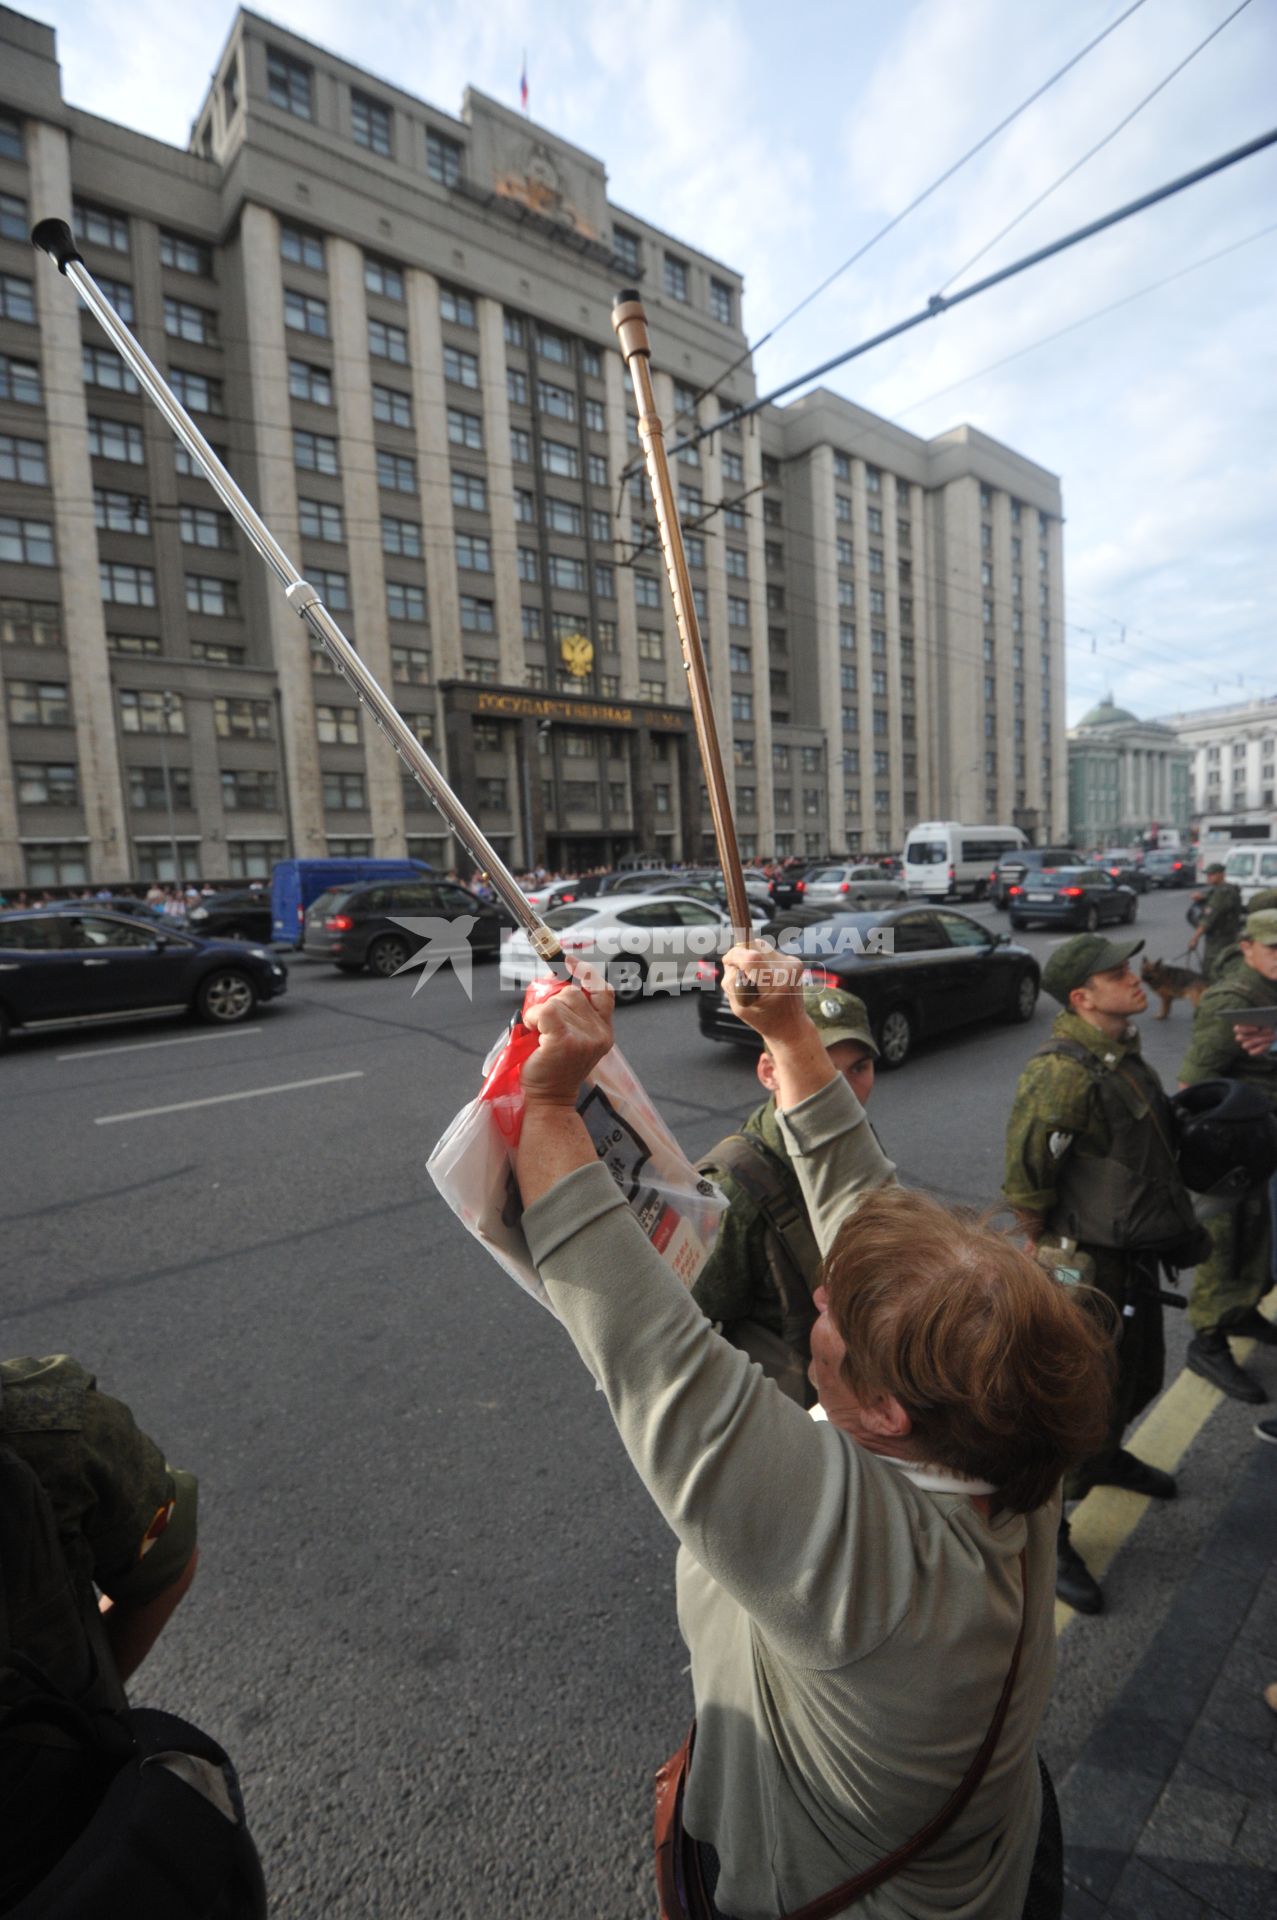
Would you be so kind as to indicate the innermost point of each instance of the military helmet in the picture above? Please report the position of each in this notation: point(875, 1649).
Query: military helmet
point(1227, 1137)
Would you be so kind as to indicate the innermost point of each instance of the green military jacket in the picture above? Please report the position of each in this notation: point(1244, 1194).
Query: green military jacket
point(738, 1285)
point(1220, 924)
point(1213, 1053)
point(126, 1520)
point(1059, 1113)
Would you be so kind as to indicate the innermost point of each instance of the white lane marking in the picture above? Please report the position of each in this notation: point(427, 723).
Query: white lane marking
point(140, 1046)
point(220, 1099)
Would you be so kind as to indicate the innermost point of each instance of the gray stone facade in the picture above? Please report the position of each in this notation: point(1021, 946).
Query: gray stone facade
point(394, 326)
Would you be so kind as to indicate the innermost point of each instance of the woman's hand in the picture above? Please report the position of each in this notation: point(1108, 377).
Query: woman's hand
point(574, 1031)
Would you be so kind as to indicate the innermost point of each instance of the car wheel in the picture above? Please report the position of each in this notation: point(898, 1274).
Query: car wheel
point(387, 955)
point(895, 1038)
point(1091, 919)
point(626, 978)
point(225, 996)
point(1024, 999)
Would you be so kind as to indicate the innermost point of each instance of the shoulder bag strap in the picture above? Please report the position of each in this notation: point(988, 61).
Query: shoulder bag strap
point(842, 1897)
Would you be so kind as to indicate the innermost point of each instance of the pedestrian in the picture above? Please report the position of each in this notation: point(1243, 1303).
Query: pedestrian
point(1228, 1286)
point(1220, 920)
point(866, 1599)
point(759, 1281)
point(1091, 1171)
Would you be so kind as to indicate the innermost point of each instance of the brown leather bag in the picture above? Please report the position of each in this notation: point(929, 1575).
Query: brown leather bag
point(679, 1883)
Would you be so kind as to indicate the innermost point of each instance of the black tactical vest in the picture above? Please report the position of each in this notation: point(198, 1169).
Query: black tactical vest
point(1133, 1196)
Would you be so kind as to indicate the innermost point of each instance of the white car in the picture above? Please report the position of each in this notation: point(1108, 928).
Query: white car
point(550, 894)
point(851, 887)
point(646, 942)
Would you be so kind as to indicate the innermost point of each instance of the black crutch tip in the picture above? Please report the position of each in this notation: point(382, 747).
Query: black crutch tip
point(626, 294)
point(55, 238)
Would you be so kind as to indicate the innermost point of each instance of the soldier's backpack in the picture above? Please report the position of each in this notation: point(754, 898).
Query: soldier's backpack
point(119, 1810)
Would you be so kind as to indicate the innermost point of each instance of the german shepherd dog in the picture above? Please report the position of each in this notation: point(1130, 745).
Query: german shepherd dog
point(1172, 983)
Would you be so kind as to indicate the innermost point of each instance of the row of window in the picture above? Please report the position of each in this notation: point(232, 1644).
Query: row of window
point(244, 790)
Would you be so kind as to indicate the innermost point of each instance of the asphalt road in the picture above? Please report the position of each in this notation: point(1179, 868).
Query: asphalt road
point(434, 1620)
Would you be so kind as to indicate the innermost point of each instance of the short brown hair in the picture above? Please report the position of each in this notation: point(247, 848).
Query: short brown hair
point(1004, 1372)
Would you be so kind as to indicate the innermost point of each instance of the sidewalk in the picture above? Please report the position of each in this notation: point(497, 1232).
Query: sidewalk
point(1170, 1811)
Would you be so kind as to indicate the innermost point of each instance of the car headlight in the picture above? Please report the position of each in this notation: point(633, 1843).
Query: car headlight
point(198, 913)
point(258, 953)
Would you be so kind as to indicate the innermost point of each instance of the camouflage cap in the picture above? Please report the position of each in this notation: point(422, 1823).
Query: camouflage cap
point(838, 1015)
point(1265, 901)
point(1261, 926)
point(1075, 960)
point(1215, 866)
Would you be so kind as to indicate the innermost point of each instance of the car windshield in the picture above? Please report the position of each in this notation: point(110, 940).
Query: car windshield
point(824, 874)
point(330, 901)
point(926, 853)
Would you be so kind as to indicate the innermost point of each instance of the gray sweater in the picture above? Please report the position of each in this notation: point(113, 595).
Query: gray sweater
point(850, 1626)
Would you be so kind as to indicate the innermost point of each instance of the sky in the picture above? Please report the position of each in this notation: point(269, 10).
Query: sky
point(780, 139)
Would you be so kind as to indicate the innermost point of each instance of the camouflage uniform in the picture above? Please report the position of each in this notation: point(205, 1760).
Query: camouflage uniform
point(1057, 1113)
point(1220, 924)
point(126, 1520)
point(759, 1279)
point(1228, 1285)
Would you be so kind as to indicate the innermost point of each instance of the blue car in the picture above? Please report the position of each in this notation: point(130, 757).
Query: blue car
point(1082, 898)
point(63, 965)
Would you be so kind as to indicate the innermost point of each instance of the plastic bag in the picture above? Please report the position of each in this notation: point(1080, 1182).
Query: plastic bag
point(473, 1163)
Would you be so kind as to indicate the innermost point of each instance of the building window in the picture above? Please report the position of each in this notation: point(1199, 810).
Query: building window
point(516, 387)
point(17, 299)
point(721, 304)
point(737, 611)
point(391, 407)
point(202, 527)
point(337, 726)
point(625, 248)
point(370, 124)
point(474, 552)
point(113, 512)
point(99, 227)
point(410, 663)
point(558, 402)
point(405, 602)
point(302, 248)
point(478, 672)
point(183, 321)
point(38, 703)
point(238, 719)
point(596, 469)
point(469, 490)
point(397, 472)
point(209, 594)
point(553, 346)
point(386, 342)
point(343, 792)
point(466, 430)
point(557, 457)
point(332, 588)
point(477, 616)
point(520, 445)
point(103, 367)
point(443, 159)
point(306, 382)
point(147, 792)
point(456, 306)
point(288, 83)
point(742, 706)
point(733, 466)
point(675, 277)
point(10, 138)
point(124, 585)
point(20, 381)
point(305, 312)
point(198, 392)
point(248, 790)
point(314, 452)
point(185, 255)
point(567, 573)
point(383, 277)
point(30, 623)
point(149, 712)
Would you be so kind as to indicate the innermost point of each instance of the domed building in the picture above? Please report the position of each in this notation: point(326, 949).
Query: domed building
point(1126, 777)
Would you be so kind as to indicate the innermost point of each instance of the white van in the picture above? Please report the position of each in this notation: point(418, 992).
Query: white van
point(1252, 867)
point(944, 858)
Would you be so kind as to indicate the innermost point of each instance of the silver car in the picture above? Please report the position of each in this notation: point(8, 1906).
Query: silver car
point(850, 887)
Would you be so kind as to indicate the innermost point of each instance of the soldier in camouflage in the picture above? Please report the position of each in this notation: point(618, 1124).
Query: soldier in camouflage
point(126, 1522)
point(1090, 1161)
point(759, 1279)
point(1221, 918)
point(1228, 1286)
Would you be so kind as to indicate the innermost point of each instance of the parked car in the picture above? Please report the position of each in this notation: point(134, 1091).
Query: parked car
point(934, 969)
point(1252, 866)
point(241, 915)
point(1016, 868)
point(786, 886)
point(357, 926)
point(1164, 867)
point(1123, 864)
point(63, 965)
point(1078, 897)
point(295, 884)
point(849, 886)
point(635, 937)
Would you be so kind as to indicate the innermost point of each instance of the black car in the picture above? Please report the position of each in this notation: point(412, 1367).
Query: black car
point(241, 915)
point(1163, 867)
point(356, 927)
point(1083, 898)
point(919, 970)
point(1022, 864)
point(786, 886)
point(63, 965)
point(1123, 865)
